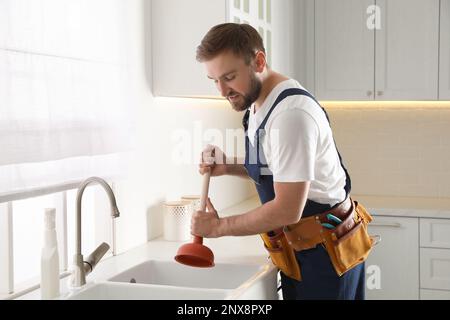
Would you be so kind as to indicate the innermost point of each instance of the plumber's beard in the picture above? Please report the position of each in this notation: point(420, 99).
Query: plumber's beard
point(245, 101)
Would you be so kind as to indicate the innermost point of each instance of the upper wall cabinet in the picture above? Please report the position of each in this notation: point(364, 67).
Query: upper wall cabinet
point(344, 50)
point(178, 27)
point(376, 50)
point(444, 65)
point(407, 50)
point(176, 30)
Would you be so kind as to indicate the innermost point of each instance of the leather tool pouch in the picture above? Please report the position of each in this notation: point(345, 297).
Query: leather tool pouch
point(282, 255)
point(349, 244)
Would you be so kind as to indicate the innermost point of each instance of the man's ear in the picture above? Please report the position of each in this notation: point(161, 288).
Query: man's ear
point(260, 61)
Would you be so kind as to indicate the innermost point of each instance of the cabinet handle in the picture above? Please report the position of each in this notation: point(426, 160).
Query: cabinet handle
point(380, 93)
point(369, 93)
point(388, 225)
point(376, 239)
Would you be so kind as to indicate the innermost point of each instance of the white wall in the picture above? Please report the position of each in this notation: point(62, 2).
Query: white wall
point(153, 175)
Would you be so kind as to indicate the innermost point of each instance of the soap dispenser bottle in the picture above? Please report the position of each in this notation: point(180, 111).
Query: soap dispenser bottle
point(49, 258)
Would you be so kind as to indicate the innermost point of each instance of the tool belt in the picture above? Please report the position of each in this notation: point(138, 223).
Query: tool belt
point(347, 244)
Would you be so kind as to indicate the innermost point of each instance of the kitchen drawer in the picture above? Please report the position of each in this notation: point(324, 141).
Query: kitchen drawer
point(426, 294)
point(435, 268)
point(435, 233)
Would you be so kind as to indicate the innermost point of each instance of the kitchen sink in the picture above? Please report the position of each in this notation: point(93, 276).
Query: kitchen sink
point(167, 279)
point(128, 291)
point(171, 273)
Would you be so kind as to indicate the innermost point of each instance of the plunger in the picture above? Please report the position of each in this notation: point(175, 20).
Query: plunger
point(196, 254)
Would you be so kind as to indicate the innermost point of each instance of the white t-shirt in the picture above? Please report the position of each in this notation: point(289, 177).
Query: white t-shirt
point(298, 144)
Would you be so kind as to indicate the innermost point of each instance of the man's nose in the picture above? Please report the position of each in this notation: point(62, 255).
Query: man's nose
point(223, 88)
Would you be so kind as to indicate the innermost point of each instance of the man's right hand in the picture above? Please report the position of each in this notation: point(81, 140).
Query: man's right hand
point(214, 160)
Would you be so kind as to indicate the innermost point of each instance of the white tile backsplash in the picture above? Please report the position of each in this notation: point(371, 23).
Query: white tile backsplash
point(392, 151)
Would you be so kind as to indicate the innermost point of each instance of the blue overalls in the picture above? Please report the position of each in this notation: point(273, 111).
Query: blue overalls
point(319, 279)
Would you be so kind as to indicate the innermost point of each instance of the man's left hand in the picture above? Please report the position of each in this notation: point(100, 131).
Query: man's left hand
point(206, 223)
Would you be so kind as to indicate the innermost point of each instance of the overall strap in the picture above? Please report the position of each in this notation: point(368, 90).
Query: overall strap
point(284, 94)
point(245, 120)
point(297, 91)
point(348, 182)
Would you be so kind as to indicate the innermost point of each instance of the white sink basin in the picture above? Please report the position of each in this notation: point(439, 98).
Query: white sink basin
point(126, 291)
point(164, 279)
point(171, 273)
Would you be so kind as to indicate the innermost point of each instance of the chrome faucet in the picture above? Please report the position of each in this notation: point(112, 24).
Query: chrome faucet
point(82, 268)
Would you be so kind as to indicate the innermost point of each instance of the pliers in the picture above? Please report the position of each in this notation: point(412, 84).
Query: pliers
point(331, 218)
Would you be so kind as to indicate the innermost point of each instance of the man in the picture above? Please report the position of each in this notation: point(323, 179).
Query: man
point(290, 154)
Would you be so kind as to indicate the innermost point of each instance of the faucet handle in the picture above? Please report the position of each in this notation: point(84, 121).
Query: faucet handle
point(92, 260)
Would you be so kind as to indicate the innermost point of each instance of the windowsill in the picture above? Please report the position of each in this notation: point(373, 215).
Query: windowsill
point(28, 286)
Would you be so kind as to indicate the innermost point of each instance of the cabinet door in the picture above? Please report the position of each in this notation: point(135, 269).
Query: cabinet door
point(344, 50)
point(435, 233)
point(435, 268)
point(177, 27)
point(406, 45)
point(396, 258)
point(444, 66)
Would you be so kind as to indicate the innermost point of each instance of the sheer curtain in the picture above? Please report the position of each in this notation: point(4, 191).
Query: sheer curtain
point(65, 104)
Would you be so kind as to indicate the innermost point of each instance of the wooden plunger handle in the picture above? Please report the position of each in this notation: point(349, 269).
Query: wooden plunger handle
point(203, 198)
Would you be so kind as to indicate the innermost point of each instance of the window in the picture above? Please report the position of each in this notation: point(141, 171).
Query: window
point(257, 13)
point(65, 102)
point(65, 114)
point(28, 228)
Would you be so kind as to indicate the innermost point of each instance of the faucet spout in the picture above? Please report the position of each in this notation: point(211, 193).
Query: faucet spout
point(81, 267)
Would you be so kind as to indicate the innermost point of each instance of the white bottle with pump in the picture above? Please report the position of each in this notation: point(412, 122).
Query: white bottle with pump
point(50, 258)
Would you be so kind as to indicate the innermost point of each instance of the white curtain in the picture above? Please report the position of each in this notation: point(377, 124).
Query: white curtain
point(66, 108)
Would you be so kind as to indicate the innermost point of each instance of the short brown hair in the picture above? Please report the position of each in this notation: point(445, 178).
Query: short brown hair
point(242, 39)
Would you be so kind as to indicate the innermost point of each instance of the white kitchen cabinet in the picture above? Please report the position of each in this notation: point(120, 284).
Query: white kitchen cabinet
point(435, 268)
point(344, 50)
point(444, 62)
point(435, 233)
point(396, 257)
point(434, 258)
point(397, 61)
point(303, 64)
point(178, 26)
point(407, 48)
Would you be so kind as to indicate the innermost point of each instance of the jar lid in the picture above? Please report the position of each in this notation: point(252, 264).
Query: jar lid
point(191, 197)
point(181, 203)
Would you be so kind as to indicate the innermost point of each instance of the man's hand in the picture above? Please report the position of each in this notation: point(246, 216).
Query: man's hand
point(206, 223)
point(213, 159)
